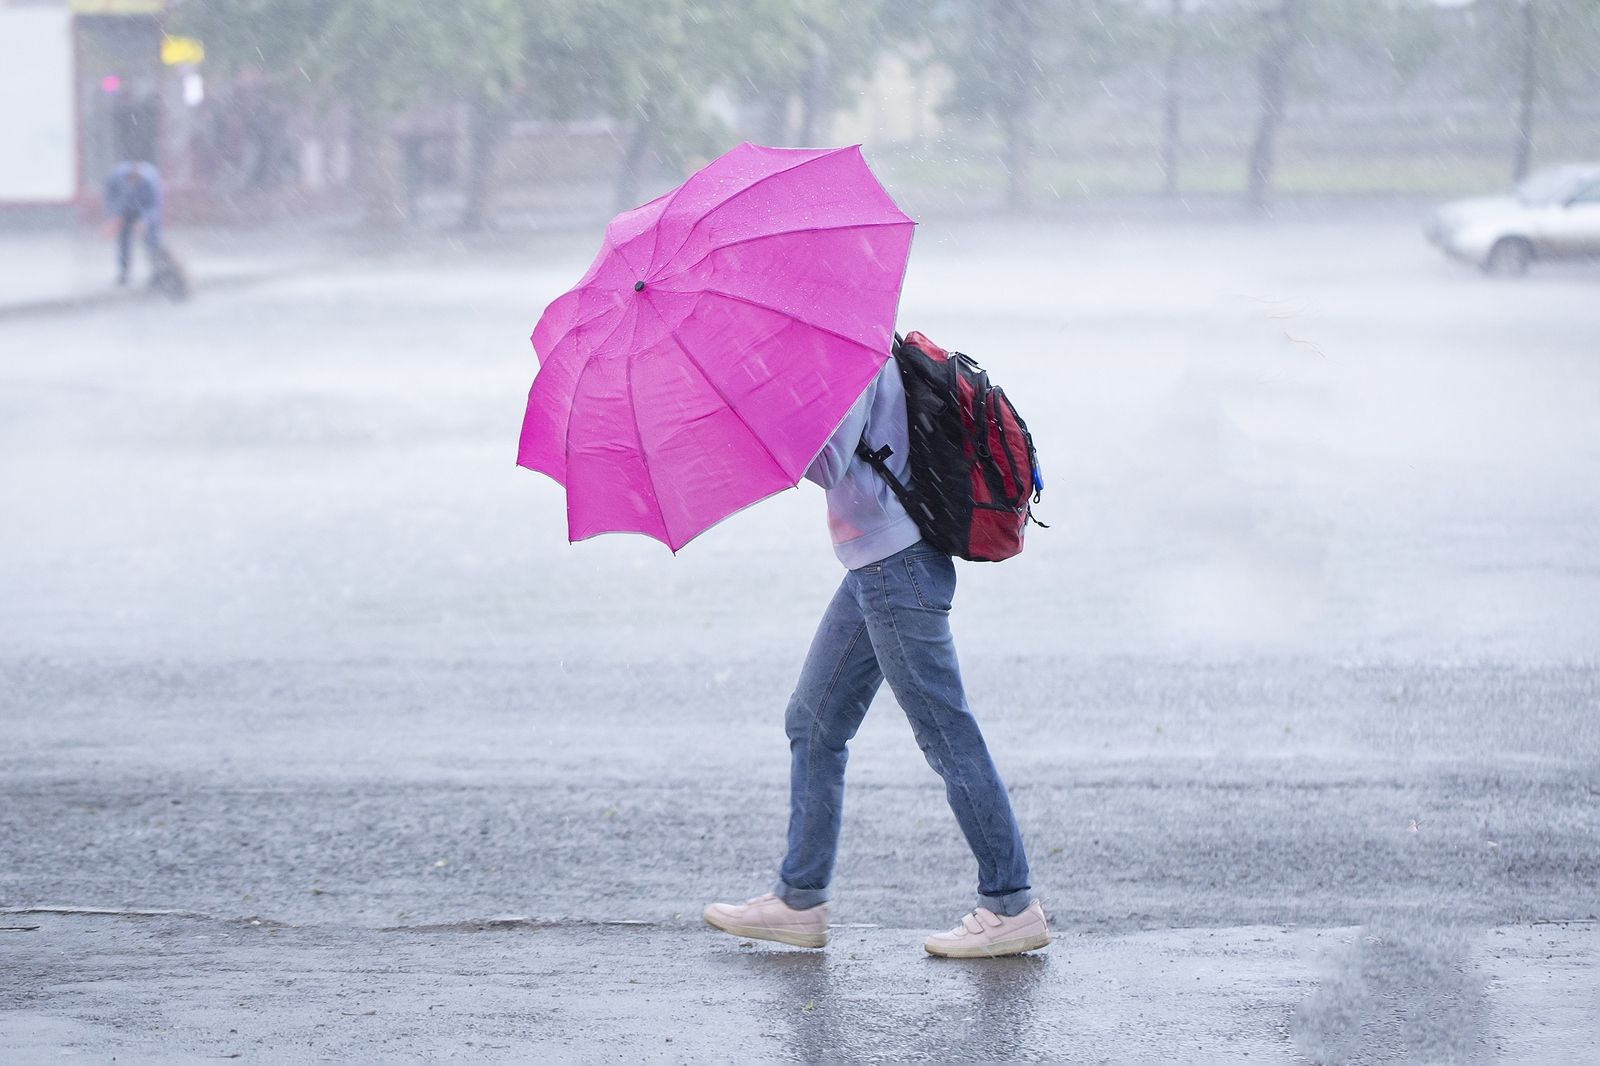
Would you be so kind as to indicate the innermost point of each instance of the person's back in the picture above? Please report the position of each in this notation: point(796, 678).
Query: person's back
point(865, 519)
point(133, 186)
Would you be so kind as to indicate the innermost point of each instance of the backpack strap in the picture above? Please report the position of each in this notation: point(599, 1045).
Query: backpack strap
point(979, 437)
point(875, 459)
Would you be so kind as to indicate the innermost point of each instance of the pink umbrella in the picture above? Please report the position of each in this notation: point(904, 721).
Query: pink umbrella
point(716, 342)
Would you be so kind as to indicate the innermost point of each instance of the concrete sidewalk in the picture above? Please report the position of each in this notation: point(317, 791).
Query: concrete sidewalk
point(57, 269)
point(182, 988)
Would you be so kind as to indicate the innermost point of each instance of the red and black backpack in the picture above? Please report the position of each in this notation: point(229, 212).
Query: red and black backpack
point(974, 473)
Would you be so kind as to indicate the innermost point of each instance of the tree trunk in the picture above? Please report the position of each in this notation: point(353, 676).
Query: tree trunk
point(1522, 152)
point(1172, 109)
point(1272, 90)
point(1016, 34)
point(487, 121)
point(629, 178)
point(372, 169)
point(775, 118)
point(813, 93)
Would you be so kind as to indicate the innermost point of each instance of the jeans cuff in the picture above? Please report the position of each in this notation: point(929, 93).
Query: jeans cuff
point(1008, 905)
point(800, 899)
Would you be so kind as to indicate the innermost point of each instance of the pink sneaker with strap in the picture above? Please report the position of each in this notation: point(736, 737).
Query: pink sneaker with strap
point(769, 918)
point(984, 934)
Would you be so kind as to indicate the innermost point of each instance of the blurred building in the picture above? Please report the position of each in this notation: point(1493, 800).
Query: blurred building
point(83, 84)
point(902, 103)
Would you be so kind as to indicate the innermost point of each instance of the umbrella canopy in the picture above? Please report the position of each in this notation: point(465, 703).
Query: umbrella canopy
point(716, 342)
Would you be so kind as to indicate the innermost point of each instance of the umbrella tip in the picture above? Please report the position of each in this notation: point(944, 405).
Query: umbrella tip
point(638, 285)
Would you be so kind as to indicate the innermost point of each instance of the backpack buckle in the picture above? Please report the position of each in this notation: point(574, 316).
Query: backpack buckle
point(873, 457)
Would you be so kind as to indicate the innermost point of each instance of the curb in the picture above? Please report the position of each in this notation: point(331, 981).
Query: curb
point(139, 295)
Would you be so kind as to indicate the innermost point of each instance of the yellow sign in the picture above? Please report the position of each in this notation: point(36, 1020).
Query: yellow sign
point(175, 51)
point(118, 7)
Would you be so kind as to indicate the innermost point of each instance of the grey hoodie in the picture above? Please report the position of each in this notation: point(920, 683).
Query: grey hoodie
point(866, 520)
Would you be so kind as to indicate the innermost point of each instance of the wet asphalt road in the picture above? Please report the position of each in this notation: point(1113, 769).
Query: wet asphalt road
point(1297, 700)
point(164, 989)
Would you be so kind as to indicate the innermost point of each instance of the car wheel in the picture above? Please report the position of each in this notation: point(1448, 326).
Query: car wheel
point(1509, 258)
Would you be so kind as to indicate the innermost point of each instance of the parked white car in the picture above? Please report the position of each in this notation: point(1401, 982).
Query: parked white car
point(1554, 213)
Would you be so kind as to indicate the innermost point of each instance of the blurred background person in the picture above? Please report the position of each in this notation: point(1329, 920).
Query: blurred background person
point(133, 197)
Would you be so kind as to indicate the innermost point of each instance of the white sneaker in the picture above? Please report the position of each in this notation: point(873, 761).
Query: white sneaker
point(769, 918)
point(984, 934)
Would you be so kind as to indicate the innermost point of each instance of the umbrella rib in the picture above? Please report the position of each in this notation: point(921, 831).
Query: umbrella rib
point(577, 382)
point(605, 309)
point(789, 314)
point(616, 246)
point(787, 233)
point(728, 403)
point(655, 241)
point(638, 436)
point(763, 178)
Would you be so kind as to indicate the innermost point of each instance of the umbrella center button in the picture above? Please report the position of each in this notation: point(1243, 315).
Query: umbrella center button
point(637, 286)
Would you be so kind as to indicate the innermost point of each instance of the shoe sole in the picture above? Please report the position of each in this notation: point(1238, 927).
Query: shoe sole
point(782, 936)
point(993, 951)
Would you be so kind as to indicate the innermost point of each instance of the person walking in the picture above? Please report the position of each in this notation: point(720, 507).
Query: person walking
point(889, 620)
point(133, 195)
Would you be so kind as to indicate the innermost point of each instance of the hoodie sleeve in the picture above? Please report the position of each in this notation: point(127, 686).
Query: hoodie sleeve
point(830, 464)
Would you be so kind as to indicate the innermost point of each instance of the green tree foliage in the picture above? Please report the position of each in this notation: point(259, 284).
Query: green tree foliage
point(652, 67)
point(649, 67)
point(664, 72)
point(1027, 70)
point(1299, 48)
point(1018, 63)
point(374, 57)
point(1541, 54)
point(390, 53)
point(816, 51)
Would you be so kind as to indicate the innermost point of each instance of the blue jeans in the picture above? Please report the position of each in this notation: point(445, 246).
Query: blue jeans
point(152, 239)
point(891, 620)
